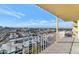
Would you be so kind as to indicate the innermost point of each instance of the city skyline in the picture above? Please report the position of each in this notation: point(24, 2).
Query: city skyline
point(28, 15)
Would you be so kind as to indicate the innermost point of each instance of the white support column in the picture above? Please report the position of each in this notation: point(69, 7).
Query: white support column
point(78, 29)
point(75, 30)
point(56, 24)
point(57, 35)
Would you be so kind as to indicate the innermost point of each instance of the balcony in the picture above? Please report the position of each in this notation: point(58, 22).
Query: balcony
point(66, 45)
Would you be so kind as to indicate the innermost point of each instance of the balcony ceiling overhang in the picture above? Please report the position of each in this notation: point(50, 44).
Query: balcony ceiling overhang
point(67, 12)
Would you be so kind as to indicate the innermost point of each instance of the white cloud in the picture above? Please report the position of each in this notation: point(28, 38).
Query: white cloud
point(19, 13)
point(33, 23)
point(43, 21)
point(11, 12)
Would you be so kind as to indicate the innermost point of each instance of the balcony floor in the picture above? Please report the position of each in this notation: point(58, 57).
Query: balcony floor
point(64, 46)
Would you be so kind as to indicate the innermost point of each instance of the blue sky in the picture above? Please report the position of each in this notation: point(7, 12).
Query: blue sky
point(28, 15)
